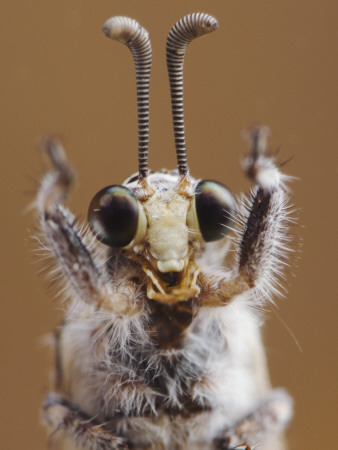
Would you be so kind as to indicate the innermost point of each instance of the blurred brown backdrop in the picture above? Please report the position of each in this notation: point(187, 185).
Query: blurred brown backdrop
point(269, 62)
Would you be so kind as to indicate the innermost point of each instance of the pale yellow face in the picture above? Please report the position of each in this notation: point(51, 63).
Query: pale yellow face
point(169, 241)
point(168, 231)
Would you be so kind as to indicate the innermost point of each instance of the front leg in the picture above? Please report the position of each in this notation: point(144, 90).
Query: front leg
point(87, 280)
point(263, 238)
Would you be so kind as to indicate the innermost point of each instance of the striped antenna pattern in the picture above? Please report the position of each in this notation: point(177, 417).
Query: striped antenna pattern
point(136, 38)
point(184, 31)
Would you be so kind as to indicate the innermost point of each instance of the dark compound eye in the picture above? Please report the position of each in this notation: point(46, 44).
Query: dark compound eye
point(113, 216)
point(215, 210)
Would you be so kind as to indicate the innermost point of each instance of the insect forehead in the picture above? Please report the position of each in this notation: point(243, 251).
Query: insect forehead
point(166, 184)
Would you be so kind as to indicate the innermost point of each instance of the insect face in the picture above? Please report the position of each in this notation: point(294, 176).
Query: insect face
point(166, 229)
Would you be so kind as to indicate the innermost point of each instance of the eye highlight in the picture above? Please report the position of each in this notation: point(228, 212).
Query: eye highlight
point(215, 210)
point(113, 216)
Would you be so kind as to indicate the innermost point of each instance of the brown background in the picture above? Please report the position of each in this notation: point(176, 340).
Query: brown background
point(269, 62)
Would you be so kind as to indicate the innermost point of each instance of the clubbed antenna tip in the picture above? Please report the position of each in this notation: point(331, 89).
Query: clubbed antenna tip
point(180, 35)
point(136, 38)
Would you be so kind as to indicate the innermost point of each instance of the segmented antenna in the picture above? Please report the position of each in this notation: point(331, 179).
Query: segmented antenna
point(184, 31)
point(135, 37)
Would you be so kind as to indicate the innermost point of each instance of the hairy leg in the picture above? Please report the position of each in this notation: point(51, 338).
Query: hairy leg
point(66, 421)
point(267, 420)
point(87, 281)
point(263, 238)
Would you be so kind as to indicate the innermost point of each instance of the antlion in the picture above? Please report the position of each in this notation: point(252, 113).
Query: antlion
point(160, 347)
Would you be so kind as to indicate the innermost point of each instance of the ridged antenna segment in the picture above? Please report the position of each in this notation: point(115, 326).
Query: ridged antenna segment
point(135, 37)
point(184, 31)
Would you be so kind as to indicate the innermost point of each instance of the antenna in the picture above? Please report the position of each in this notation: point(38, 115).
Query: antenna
point(136, 38)
point(180, 35)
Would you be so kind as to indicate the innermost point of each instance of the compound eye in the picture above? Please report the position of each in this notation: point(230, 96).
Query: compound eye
point(215, 210)
point(113, 216)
